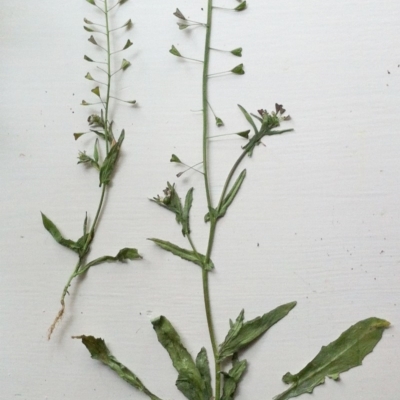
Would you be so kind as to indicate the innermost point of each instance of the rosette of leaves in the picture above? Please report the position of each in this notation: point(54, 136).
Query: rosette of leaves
point(106, 147)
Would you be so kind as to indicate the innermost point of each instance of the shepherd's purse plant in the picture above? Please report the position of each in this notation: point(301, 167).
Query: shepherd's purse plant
point(106, 147)
point(228, 367)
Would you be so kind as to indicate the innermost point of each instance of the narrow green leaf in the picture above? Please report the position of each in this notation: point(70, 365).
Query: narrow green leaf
point(125, 64)
point(346, 352)
point(92, 40)
point(238, 70)
point(123, 255)
point(198, 259)
point(53, 230)
point(178, 14)
point(99, 351)
point(127, 45)
point(85, 225)
point(175, 158)
point(203, 366)
point(232, 378)
point(243, 333)
point(189, 381)
point(175, 51)
point(237, 52)
point(108, 166)
point(219, 122)
point(87, 58)
point(96, 150)
point(96, 91)
point(249, 119)
point(242, 6)
point(186, 211)
point(77, 135)
point(232, 194)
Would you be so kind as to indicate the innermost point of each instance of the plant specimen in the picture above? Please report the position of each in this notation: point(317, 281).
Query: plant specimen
point(194, 374)
point(106, 147)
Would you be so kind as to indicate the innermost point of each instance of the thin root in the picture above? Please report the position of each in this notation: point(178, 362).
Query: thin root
point(58, 318)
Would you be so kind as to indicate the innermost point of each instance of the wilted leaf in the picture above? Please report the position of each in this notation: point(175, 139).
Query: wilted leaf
point(108, 166)
point(186, 211)
point(175, 51)
point(346, 352)
point(99, 351)
point(243, 333)
point(178, 14)
point(125, 64)
point(123, 255)
point(96, 151)
point(53, 230)
point(238, 70)
point(189, 381)
point(127, 44)
point(203, 366)
point(188, 255)
point(237, 52)
point(242, 6)
point(232, 378)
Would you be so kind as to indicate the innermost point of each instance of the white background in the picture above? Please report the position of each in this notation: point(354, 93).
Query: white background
point(317, 219)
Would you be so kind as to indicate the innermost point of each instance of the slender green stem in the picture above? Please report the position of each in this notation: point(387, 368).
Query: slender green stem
point(213, 222)
point(106, 132)
point(91, 234)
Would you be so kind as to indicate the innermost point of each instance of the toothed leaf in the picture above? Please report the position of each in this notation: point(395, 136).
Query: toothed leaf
point(243, 333)
point(189, 255)
point(203, 366)
point(99, 351)
point(189, 380)
point(346, 352)
point(232, 378)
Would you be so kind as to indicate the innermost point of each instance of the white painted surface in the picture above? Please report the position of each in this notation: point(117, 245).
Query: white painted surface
point(322, 203)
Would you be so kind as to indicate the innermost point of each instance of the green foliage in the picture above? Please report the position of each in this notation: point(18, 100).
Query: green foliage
point(187, 255)
point(190, 381)
point(110, 161)
point(243, 333)
point(232, 378)
point(99, 351)
point(203, 366)
point(346, 352)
